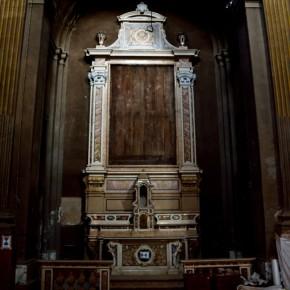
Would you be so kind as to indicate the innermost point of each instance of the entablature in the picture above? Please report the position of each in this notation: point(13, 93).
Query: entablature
point(190, 54)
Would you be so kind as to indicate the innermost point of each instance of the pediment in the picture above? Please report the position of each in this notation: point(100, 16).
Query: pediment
point(141, 33)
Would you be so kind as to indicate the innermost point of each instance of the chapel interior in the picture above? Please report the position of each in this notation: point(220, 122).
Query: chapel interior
point(143, 145)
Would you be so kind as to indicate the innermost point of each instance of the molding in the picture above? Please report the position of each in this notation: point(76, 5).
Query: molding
point(160, 53)
point(36, 2)
point(253, 4)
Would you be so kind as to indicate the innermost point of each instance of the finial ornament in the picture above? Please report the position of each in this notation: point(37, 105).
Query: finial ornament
point(182, 39)
point(142, 7)
point(101, 38)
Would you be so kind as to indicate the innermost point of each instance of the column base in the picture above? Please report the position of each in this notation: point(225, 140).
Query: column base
point(26, 275)
point(283, 223)
point(7, 266)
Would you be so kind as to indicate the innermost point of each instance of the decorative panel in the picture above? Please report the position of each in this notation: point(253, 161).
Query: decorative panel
point(115, 185)
point(119, 204)
point(129, 250)
point(78, 275)
point(165, 185)
point(168, 204)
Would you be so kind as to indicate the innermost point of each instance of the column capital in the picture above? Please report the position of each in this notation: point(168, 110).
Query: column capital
point(63, 57)
point(222, 57)
point(98, 76)
point(185, 76)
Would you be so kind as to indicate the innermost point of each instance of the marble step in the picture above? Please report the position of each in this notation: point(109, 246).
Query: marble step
point(152, 282)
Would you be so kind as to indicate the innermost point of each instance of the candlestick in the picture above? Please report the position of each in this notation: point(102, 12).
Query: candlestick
point(275, 273)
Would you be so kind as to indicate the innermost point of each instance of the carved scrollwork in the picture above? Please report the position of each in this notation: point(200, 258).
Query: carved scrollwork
point(113, 249)
point(176, 250)
point(141, 36)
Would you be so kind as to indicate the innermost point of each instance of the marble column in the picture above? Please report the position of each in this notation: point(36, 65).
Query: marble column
point(276, 14)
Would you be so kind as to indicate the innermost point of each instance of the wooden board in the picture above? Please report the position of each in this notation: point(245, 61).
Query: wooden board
point(142, 115)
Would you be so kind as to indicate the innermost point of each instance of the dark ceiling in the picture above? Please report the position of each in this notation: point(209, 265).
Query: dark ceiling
point(214, 14)
point(206, 5)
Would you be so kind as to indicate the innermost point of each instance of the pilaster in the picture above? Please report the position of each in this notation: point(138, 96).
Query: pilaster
point(264, 113)
point(227, 139)
point(12, 18)
point(98, 98)
point(54, 154)
point(28, 128)
point(25, 168)
point(186, 77)
point(276, 14)
point(11, 33)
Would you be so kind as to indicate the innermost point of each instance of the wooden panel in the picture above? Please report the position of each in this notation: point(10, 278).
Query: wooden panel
point(142, 115)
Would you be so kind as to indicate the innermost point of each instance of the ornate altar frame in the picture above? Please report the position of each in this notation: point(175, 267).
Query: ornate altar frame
point(112, 202)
